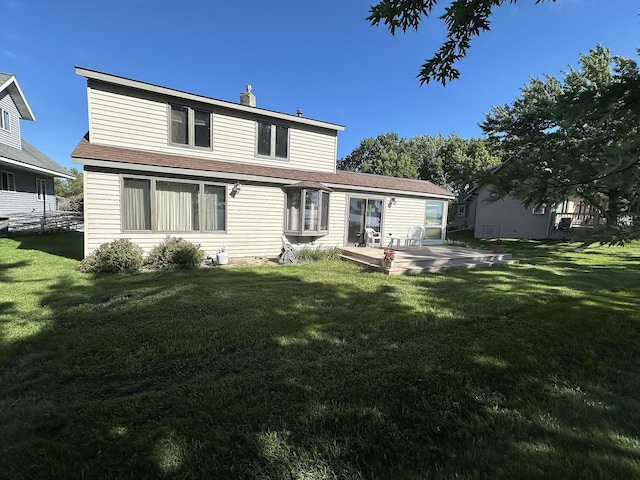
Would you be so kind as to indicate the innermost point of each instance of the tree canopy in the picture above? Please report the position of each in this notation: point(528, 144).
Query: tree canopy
point(451, 162)
point(574, 135)
point(386, 154)
point(464, 19)
point(70, 192)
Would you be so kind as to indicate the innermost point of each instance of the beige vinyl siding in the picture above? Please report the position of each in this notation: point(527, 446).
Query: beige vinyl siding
point(126, 121)
point(406, 213)
point(311, 151)
point(121, 117)
point(101, 209)
point(508, 218)
point(254, 221)
point(234, 139)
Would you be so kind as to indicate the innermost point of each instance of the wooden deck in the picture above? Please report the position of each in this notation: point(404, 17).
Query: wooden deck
point(431, 258)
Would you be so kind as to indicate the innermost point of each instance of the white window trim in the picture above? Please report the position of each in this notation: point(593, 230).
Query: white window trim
point(41, 192)
point(272, 154)
point(5, 125)
point(539, 209)
point(3, 187)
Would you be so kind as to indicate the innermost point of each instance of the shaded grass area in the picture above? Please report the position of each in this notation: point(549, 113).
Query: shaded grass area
point(320, 370)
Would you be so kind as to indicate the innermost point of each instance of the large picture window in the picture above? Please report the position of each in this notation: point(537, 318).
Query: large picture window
point(170, 206)
point(190, 127)
point(307, 212)
point(273, 140)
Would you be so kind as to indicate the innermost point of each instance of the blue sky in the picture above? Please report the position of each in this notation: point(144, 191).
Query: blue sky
point(320, 56)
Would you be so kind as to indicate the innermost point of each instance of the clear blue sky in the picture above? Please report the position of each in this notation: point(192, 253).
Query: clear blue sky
point(320, 56)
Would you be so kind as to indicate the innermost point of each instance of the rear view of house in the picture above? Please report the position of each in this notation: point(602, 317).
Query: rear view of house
point(159, 161)
point(26, 174)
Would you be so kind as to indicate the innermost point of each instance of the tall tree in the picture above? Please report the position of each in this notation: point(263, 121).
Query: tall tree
point(462, 160)
point(386, 154)
point(464, 19)
point(578, 134)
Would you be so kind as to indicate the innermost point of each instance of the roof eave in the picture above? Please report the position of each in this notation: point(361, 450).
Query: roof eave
point(138, 85)
point(12, 86)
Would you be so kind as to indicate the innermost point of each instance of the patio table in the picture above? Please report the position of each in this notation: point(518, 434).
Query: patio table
point(398, 239)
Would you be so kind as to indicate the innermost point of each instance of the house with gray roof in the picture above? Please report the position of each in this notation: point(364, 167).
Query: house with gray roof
point(26, 174)
point(159, 161)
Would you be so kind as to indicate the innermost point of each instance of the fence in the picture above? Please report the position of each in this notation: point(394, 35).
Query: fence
point(567, 225)
point(52, 222)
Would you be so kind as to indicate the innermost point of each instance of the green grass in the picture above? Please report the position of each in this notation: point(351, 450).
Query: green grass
point(321, 370)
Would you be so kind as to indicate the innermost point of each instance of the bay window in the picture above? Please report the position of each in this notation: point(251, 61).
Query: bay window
point(307, 211)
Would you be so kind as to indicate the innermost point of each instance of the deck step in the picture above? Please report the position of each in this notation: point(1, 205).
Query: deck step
point(428, 260)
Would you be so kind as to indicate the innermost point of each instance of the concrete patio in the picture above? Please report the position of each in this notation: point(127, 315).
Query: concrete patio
point(432, 258)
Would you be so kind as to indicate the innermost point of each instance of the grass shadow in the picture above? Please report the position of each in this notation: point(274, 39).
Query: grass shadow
point(67, 244)
point(327, 371)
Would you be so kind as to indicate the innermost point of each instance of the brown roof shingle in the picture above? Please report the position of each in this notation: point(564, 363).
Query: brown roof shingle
point(89, 151)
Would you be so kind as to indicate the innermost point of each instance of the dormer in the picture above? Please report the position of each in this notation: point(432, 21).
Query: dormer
point(13, 108)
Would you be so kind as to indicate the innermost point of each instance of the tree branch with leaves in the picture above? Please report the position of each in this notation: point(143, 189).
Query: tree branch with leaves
point(464, 20)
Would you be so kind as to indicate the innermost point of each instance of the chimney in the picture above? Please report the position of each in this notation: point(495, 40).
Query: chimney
point(247, 98)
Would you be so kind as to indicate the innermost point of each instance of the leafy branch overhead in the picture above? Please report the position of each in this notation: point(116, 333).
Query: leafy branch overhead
point(464, 19)
point(575, 135)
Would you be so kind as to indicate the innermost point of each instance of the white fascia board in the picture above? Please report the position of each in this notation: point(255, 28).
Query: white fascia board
point(18, 98)
point(246, 177)
point(126, 82)
point(32, 168)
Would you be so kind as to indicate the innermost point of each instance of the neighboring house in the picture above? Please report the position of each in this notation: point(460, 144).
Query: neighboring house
point(509, 218)
point(26, 174)
point(462, 212)
point(159, 161)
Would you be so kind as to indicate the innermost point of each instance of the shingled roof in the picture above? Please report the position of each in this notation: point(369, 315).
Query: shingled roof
point(88, 153)
point(33, 159)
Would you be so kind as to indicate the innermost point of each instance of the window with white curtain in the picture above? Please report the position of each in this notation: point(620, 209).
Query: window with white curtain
point(136, 204)
point(307, 212)
point(173, 206)
point(177, 207)
point(214, 208)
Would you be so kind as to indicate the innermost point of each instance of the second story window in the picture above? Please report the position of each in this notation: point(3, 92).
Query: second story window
point(5, 120)
point(190, 127)
point(273, 140)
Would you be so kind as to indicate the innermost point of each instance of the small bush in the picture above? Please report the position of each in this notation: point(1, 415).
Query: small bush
point(118, 256)
point(318, 254)
point(175, 253)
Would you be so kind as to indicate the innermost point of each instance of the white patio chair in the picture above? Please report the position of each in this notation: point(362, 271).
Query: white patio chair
point(371, 238)
point(414, 237)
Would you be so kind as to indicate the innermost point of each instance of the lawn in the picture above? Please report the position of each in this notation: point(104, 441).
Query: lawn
point(321, 370)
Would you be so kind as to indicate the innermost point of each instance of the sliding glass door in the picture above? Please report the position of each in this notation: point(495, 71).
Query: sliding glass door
point(363, 213)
